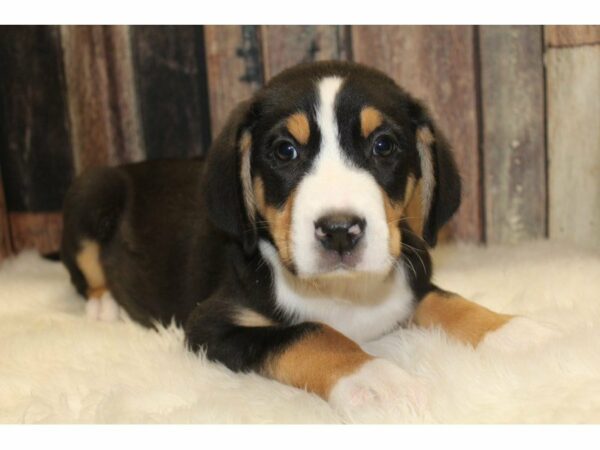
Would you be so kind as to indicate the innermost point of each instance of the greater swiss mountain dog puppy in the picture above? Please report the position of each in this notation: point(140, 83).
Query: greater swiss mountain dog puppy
point(288, 246)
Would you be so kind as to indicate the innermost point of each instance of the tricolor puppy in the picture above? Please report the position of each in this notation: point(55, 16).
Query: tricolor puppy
point(288, 246)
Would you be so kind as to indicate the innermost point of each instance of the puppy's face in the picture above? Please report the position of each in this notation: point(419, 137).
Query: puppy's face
point(329, 155)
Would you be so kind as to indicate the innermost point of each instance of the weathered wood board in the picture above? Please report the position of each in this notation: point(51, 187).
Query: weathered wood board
point(285, 46)
point(514, 166)
point(171, 88)
point(437, 65)
point(35, 147)
point(234, 67)
point(40, 231)
point(571, 35)
point(573, 103)
point(101, 94)
point(5, 245)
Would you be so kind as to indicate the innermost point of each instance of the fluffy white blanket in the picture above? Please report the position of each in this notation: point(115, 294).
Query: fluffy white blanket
point(57, 366)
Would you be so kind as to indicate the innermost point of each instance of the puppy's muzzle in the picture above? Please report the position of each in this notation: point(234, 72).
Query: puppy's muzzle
point(340, 233)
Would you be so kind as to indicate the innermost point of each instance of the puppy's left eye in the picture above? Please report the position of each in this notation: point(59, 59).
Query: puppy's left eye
point(286, 151)
point(383, 146)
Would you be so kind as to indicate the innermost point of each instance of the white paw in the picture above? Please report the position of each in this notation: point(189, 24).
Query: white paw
point(104, 309)
point(379, 391)
point(520, 333)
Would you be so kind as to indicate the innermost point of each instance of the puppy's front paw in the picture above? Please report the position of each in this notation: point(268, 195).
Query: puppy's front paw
point(104, 309)
point(520, 333)
point(378, 391)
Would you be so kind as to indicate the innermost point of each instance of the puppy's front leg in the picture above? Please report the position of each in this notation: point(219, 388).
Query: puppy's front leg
point(308, 355)
point(461, 318)
point(475, 325)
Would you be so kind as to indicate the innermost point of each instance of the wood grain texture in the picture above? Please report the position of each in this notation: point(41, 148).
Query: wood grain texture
point(5, 245)
point(234, 67)
point(101, 94)
point(40, 231)
point(35, 148)
point(437, 65)
point(573, 102)
point(512, 92)
point(171, 80)
point(571, 35)
point(285, 46)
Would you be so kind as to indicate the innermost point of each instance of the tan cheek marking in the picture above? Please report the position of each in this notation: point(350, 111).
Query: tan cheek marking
point(370, 120)
point(425, 141)
point(393, 214)
point(414, 210)
point(88, 261)
point(317, 361)
point(278, 219)
point(248, 318)
point(465, 320)
point(248, 193)
point(298, 126)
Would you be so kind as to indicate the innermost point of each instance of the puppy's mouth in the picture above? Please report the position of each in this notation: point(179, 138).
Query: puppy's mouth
point(338, 262)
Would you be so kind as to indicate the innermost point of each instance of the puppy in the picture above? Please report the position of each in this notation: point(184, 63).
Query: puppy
point(288, 245)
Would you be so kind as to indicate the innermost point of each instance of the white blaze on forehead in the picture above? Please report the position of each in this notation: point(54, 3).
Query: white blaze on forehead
point(335, 184)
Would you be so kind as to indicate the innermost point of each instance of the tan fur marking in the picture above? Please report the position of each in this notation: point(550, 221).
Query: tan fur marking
point(414, 209)
point(425, 136)
point(248, 318)
point(278, 219)
point(465, 320)
point(245, 176)
point(370, 120)
point(88, 261)
point(96, 292)
point(393, 214)
point(298, 126)
point(317, 361)
point(425, 140)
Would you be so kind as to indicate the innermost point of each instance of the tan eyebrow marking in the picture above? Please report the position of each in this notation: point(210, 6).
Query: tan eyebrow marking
point(370, 120)
point(298, 126)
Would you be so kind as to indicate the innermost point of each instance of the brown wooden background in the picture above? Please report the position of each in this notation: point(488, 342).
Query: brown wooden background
point(521, 105)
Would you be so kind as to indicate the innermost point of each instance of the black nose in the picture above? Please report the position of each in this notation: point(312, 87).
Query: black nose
point(339, 232)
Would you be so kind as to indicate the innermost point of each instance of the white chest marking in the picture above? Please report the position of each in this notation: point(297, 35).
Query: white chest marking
point(362, 309)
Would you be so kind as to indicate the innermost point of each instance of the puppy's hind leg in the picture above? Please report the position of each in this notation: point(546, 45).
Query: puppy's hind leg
point(92, 211)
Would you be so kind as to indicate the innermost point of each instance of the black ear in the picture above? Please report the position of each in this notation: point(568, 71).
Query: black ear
point(441, 186)
point(228, 162)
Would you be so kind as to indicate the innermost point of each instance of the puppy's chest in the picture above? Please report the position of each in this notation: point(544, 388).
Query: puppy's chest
point(362, 318)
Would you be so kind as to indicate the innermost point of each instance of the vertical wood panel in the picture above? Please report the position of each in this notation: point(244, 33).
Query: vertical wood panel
point(171, 80)
point(35, 150)
point(5, 247)
point(437, 65)
point(285, 46)
point(571, 35)
point(512, 84)
point(573, 101)
point(234, 67)
point(101, 93)
point(42, 232)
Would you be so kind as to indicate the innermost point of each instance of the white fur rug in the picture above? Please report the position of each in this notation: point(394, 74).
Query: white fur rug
point(57, 366)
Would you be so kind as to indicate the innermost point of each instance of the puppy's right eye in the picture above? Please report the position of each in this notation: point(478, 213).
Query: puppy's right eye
point(286, 151)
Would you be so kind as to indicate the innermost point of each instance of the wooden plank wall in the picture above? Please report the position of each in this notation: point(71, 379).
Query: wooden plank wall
point(573, 105)
point(36, 158)
point(518, 103)
point(513, 141)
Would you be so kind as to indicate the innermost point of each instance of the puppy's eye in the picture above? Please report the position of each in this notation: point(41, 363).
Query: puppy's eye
point(383, 146)
point(286, 151)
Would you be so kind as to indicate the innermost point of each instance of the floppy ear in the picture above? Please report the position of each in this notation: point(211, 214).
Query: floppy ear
point(441, 186)
point(228, 186)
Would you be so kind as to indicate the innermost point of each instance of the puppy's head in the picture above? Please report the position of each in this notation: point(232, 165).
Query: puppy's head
point(322, 162)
